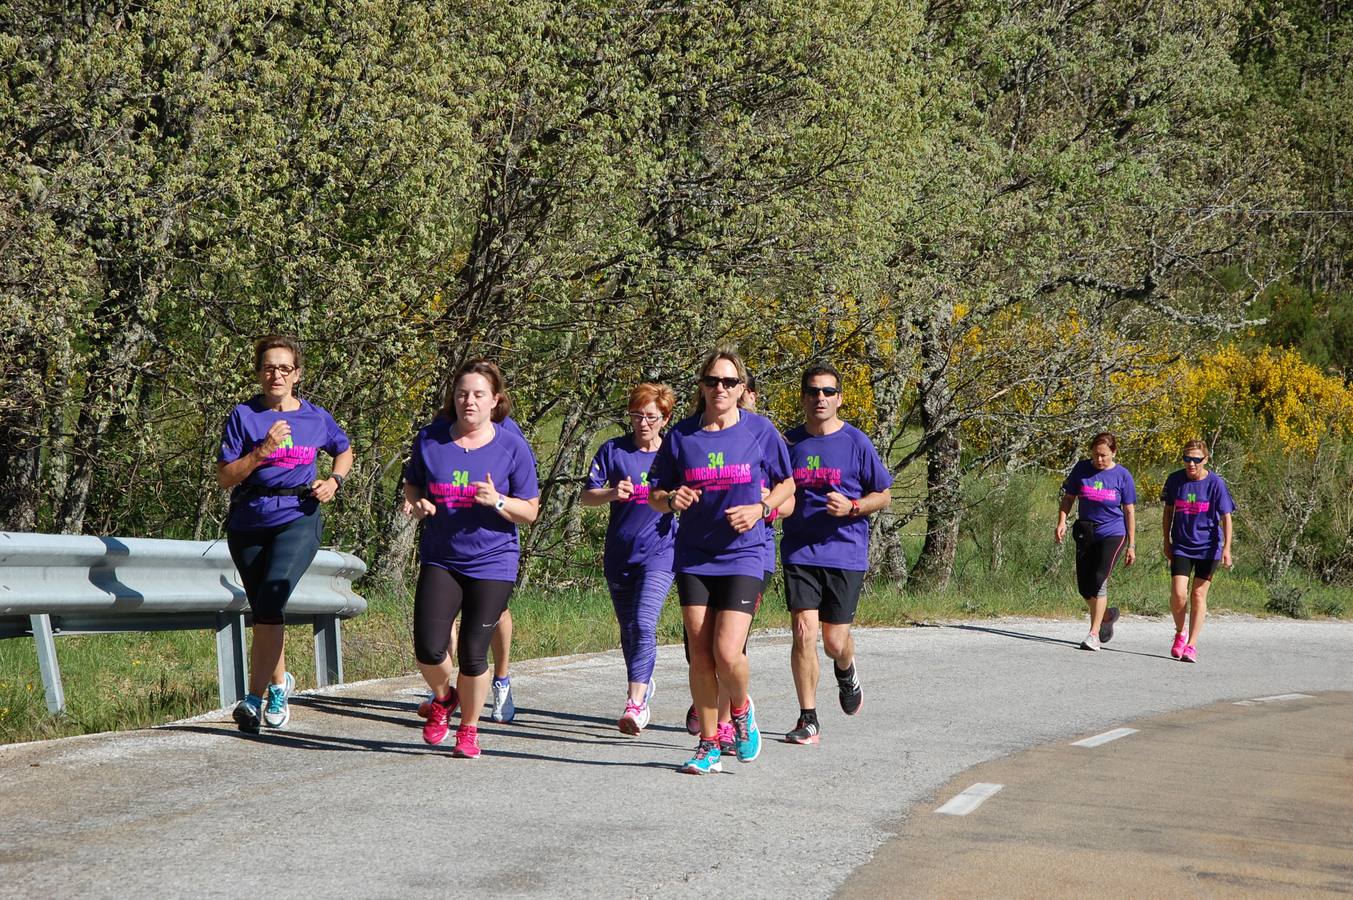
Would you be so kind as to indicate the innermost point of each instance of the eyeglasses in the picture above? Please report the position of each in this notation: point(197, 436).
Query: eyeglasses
point(713, 381)
point(1196, 460)
point(821, 391)
point(646, 419)
point(284, 371)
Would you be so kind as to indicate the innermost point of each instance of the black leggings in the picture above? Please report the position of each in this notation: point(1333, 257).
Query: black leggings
point(1094, 562)
point(271, 561)
point(440, 596)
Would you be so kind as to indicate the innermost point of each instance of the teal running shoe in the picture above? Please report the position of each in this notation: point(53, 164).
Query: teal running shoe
point(746, 736)
point(705, 760)
point(276, 709)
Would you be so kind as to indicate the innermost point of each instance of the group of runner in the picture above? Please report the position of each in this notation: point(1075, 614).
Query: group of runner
point(691, 504)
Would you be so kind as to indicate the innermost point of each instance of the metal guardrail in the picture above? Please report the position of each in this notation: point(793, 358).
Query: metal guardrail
point(55, 584)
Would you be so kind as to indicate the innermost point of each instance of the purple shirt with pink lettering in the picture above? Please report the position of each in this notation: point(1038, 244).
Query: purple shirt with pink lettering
point(728, 467)
point(637, 534)
point(1102, 495)
point(291, 465)
point(464, 536)
point(844, 461)
point(1195, 531)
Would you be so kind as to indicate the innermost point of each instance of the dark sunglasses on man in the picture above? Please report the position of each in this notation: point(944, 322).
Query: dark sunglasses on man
point(714, 381)
point(821, 391)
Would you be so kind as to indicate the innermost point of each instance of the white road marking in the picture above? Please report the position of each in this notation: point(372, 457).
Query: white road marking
point(1105, 737)
point(970, 799)
point(1276, 698)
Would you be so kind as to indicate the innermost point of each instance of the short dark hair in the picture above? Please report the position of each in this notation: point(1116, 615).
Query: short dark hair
point(489, 369)
point(1107, 439)
point(275, 342)
point(815, 370)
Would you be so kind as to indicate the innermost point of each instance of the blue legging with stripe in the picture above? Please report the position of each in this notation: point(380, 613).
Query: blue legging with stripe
point(638, 595)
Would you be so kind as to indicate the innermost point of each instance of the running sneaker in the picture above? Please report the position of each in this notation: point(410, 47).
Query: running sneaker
point(803, 733)
point(1091, 642)
point(705, 760)
point(276, 709)
point(634, 719)
point(1106, 624)
point(1190, 654)
point(504, 710)
point(467, 742)
point(746, 735)
point(650, 691)
point(849, 690)
point(727, 739)
point(1180, 642)
point(247, 715)
point(692, 721)
point(435, 728)
point(450, 710)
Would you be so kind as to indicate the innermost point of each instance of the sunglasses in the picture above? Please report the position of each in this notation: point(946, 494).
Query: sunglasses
point(714, 381)
point(1196, 460)
point(821, 391)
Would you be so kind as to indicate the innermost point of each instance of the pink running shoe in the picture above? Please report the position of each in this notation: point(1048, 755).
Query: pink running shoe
point(450, 710)
point(1180, 642)
point(1190, 654)
point(467, 742)
point(435, 728)
point(634, 719)
point(728, 741)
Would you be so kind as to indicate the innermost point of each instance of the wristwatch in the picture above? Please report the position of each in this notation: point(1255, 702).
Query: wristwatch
point(854, 507)
point(500, 503)
point(765, 510)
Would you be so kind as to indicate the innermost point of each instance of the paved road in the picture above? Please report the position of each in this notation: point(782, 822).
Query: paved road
point(350, 801)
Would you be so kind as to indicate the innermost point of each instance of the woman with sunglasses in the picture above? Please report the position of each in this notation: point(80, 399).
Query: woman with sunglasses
point(1107, 523)
point(709, 469)
point(267, 456)
point(1197, 530)
point(639, 542)
point(471, 482)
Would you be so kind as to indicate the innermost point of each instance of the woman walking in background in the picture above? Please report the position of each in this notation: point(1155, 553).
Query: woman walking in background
point(639, 541)
point(1106, 523)
point(1197, 531)
point(710, 469)
point(471, 482)
point(267, 456)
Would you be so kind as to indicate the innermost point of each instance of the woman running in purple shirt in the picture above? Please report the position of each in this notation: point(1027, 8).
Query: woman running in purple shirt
point(268, 455)
point(639, 541)
point(1107, 524)
point(709, 469)
point(1197, 527)
point(471, 482)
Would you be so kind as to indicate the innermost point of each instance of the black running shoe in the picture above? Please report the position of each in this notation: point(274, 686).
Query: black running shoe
point(248, 716)
point(803, 733)
point(1106, 624)
point(852, 695)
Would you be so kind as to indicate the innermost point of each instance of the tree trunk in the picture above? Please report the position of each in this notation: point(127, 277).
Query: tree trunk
point(943, 505)
point(20, 458)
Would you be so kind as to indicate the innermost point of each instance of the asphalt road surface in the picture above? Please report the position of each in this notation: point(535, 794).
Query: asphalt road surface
point(349, 801)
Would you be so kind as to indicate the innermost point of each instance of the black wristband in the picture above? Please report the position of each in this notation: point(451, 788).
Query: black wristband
point(339, 478)
point(671, 501)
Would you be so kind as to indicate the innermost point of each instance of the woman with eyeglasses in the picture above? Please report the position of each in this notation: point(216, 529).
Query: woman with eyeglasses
point(1106, 524)
point(471, 482)
point(267, 456)
point(709, 469)
point(639, 542)
point(1197, 531)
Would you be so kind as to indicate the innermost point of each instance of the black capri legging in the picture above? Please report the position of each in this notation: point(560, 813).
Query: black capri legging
point(440, 596)
point(272, 560)
point(1094, 562)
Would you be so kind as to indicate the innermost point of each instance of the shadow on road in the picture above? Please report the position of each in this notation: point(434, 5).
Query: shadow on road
point(1074, 645)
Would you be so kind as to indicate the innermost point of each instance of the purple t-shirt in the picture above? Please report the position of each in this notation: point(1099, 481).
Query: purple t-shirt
point(637, 534)
point(728, 467)
point(768, 561)
point(1102, 496)
point(844, 461)
point(291, 465)
point(464, 536)
point(1195, 531)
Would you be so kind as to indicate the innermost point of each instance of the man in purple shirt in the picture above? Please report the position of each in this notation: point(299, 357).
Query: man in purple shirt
point(839, 481)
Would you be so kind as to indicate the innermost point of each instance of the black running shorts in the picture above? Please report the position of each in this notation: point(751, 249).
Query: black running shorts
point(834, 593)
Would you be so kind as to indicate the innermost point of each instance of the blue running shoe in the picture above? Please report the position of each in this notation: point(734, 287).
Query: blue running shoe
point(705, 760)
point(247, 714)
point(746, 736)
point(650, 691)
point(276, 710)
point(504, 710)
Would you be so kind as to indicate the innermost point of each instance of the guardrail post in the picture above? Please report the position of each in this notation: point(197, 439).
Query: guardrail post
point(47, 664)
point(232, 671)
point(328, 651)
